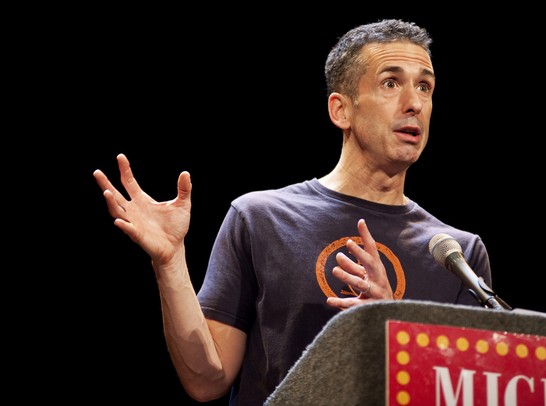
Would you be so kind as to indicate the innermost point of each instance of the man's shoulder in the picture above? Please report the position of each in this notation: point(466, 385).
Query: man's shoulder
point(288, 192)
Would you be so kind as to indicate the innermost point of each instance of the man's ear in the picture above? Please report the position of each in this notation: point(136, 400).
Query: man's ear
point(339, 108)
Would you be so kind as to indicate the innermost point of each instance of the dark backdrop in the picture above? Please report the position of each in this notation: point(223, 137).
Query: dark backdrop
point(240, 102)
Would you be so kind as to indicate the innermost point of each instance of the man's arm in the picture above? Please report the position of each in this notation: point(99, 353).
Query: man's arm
point(207, 355)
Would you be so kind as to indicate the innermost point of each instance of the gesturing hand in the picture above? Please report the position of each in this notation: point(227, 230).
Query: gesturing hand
point(158, 227)
point(367, 276)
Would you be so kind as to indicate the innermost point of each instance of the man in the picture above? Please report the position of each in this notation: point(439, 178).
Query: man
point(286, 261)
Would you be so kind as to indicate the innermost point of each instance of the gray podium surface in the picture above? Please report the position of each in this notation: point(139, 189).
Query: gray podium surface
point(345, 364)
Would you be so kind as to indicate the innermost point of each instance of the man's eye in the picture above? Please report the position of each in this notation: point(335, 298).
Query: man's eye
point(424, 87)
point(389, 83)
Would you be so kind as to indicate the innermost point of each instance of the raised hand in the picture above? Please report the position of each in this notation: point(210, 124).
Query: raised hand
point(158, 227)
point(367, 276)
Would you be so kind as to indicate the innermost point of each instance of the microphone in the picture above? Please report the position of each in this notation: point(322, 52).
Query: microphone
point(448, 252)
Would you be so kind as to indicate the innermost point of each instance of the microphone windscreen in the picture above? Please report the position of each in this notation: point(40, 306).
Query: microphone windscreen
point(441, 246)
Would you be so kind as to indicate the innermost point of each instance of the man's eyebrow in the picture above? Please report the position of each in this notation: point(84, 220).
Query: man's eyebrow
point(398, 69)
point(428, 72)
point(392, 68)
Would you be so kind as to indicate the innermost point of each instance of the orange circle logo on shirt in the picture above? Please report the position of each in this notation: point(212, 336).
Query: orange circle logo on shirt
point(398, 290)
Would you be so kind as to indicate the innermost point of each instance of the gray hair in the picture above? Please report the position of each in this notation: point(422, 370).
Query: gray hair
point(344, 65)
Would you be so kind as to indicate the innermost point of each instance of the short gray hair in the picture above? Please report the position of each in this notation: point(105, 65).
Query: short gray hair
point(344, 67)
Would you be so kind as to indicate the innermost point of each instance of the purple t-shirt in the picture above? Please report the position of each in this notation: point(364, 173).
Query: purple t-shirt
point(270, 270)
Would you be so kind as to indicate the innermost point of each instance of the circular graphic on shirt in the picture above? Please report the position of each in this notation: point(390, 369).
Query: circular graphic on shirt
point(332, 249)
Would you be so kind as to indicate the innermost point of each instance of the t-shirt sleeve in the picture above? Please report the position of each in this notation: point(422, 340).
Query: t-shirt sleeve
point(229, 288)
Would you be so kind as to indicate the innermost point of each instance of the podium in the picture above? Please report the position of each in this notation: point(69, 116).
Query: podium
point(348, 361)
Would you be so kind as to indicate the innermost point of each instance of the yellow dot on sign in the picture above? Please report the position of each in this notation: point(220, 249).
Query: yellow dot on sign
point(422, 339)
point(402, 357)
point(540, 353)
point(403, 377)
point(402, 337)
point(403, 398)
point(442, 342)
point(522, 351)
point(502, 348)
point(482, 346)
point(462, 344)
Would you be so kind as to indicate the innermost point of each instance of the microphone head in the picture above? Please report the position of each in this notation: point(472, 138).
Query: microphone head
point(441, 246)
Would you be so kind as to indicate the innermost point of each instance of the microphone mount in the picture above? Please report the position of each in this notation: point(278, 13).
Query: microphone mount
point(481, 291)
point(448, 252)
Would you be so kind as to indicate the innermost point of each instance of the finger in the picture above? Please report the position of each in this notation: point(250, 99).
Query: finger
point(368, 241)
point(357, 283)
point(351, 266)
point(366, 254)
point(127, 179)
point(364, 293)
point(344, 303)
point(363, 258)
point(103, 182)
point(114, 199)
point(115, 207)
point(184, 186)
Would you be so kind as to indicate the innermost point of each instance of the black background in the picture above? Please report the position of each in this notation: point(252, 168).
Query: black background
point(237, 97)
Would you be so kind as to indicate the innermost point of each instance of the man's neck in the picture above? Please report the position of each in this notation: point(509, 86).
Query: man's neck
point(376, 187)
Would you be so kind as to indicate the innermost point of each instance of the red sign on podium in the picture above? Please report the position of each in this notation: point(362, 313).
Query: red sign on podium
point(458, 366)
